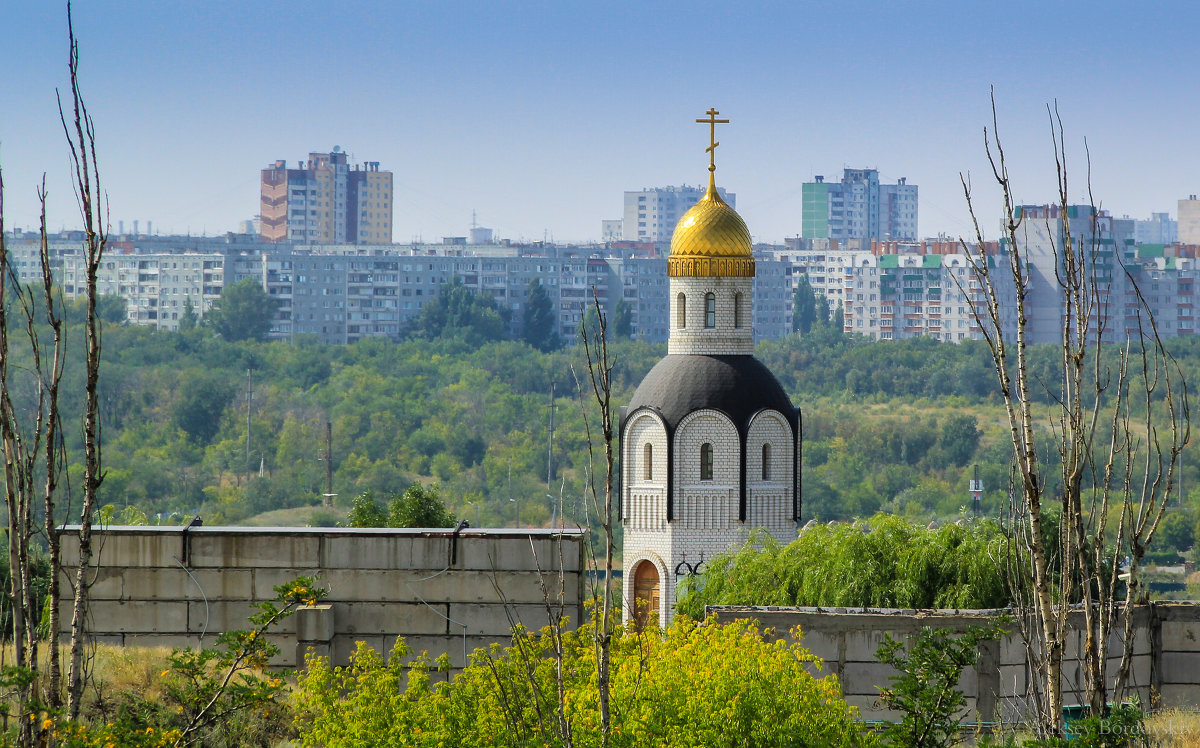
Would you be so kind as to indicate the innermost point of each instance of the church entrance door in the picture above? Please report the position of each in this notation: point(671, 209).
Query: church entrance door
point(645, 592)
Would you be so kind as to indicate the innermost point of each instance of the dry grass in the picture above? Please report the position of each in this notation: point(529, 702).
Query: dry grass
point(1174, 728)
point(113, 670)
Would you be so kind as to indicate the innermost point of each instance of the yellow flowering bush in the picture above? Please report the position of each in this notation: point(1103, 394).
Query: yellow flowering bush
point(696, 685)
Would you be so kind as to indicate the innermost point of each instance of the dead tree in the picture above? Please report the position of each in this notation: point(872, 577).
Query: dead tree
point(599, 381)
point(30, 437)
point(81, 138)
point(1108, 463)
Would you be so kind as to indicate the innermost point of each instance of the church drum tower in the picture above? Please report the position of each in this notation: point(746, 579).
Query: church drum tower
point(710, 443)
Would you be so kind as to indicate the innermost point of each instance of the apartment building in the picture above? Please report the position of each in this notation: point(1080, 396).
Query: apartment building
point(651, 214)
point(898, 296)
point(326, 200)
point(859, 207)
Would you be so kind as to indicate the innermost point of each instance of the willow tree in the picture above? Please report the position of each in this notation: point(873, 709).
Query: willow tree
point(1117, 426)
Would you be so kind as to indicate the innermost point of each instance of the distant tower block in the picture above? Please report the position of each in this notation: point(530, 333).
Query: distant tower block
point(326, 200)
point(710, 441)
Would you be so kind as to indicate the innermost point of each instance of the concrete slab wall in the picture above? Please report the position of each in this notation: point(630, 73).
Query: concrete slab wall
point(446, 594)
point(1165, 667)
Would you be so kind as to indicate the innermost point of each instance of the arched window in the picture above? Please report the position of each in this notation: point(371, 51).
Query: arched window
point(648, 462)
point(681, 311)
point(710, 310)
point(766, 462)
point(737, 310)
point(706, 462)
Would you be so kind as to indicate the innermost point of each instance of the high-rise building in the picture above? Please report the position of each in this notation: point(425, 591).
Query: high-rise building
point(1189, 220)
point(1159, 229)
point(326, 200)
point(651, 214)
point(859, 207)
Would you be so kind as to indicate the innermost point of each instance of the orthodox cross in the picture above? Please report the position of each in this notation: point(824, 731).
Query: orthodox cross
point(712, 123)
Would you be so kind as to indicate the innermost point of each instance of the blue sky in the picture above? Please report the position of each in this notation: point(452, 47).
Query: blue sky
point(537, 115)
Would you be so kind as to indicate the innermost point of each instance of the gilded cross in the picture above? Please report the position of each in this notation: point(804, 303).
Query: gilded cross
point(712, 122)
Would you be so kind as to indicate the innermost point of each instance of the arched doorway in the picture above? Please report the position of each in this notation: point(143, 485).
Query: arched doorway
point(645, 592)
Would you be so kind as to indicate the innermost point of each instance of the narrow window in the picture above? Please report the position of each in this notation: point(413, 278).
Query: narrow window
point(681, 311)
point(766, 462)
point(737, 310)
point(710, 310)
point(706, 462)
point(648, 462)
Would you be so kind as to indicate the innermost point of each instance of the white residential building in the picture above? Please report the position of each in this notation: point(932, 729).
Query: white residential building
point(651, 214)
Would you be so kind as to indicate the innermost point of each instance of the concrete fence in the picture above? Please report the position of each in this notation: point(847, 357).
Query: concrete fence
point(445, 592)
point(1165, 668)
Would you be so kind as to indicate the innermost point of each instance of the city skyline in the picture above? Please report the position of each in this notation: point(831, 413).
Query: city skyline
point(538, 117)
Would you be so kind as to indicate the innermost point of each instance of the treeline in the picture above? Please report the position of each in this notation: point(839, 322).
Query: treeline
point(892, 426)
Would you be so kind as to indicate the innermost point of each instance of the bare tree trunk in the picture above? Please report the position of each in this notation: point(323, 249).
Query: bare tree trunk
point(54, 463)
point(1091, 393)
point(595, 346)
point(22, 444)
point(82, 140)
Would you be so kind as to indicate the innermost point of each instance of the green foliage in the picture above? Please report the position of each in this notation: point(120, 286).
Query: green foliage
point(223, 696)
point(366, 512)
point(459, 313)
point(242, 312)
point(189, 320)
point(39, 567)
point(959, 438)
point(416, 507)
point(201, 402)
point(925, 690)
point(888, 562)
point(541, 323)
point(804, 306)
point(1176, 531)
point(622, 320)
point(110, 308)
point(419, 507)
point(697, 685)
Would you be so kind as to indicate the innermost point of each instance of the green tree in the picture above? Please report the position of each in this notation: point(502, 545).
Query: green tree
point(622, 320)
point(419, 507)
point(242, 312)
point(366, 512)
point(804, 306)
point(110, 308)
point(959, 438)
point(1177, 530)
point(189, 320)
point(458, 312)
point(541, 323)
point(926, 689)
point(202, 399)
point(888, 562)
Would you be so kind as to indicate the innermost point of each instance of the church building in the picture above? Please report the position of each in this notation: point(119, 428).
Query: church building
point(710, 443)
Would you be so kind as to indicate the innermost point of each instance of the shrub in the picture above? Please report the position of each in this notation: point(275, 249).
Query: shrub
point(699, 684)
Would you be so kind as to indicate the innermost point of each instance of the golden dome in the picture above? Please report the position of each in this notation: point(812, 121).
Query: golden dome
point(711, 240)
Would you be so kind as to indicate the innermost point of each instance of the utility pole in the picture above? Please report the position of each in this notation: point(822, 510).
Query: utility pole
point(550, 448)
point(249, 400)
point(329, 463)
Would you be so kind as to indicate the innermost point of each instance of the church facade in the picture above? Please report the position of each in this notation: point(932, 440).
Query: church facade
point(710, 443)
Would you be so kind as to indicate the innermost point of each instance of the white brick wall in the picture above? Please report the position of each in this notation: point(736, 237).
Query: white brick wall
point(725, 339)
point(645, 501)
point(769, 502)
point(706, 511)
